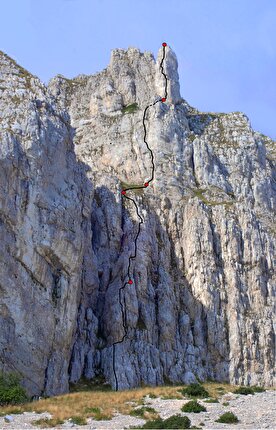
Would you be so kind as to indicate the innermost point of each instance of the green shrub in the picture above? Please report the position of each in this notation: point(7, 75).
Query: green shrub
point(244, 390)
point(228, 418)
point(173, 422)
point(11, 391)
point(177, 422)
point(80, 421)
point(225, 404)
point(195, 390)
point(258, 389)
point(193, 406)
point(211, 400)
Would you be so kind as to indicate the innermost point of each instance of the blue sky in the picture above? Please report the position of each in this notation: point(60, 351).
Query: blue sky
point(227, 61)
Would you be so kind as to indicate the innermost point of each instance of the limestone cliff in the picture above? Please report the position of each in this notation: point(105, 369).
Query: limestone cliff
point(201, 301)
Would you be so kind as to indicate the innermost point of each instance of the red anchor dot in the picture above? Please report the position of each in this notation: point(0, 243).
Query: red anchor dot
point(164, 44)
point(124, 192)
point(163, 99)
point(130, 281)
point(146, 184)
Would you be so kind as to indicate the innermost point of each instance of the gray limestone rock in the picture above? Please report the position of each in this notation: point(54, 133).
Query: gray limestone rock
point(201, 303)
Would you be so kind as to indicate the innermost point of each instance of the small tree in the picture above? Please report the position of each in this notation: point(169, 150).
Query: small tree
point(11, 391)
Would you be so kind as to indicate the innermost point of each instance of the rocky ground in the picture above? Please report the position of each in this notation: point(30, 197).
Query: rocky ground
point(254, 412)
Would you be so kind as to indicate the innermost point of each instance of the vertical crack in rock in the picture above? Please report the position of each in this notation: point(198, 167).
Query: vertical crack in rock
point(141, 221)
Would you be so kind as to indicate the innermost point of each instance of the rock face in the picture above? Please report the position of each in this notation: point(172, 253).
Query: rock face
point(200, 305)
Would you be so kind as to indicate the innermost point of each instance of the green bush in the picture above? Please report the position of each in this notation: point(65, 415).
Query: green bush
point(244, 390)
point(152, 396)
point(173, 422)
point(225, 403)
point(80, 421)
point(228, 418)
point(193, 406)
point(11, 391)
point(195, 390)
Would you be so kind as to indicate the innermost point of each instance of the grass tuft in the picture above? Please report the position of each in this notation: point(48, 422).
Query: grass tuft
point(102, 417)
point(258, 389)
point(97, 414)
point(140, 412)
point(244, 390)
point(92, 410)
point(211, 400)
point(172, 396)
point(47, 422)
point(144, 412)
point(80, 421)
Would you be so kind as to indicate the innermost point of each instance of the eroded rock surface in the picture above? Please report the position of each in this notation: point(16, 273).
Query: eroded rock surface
point(201, 302)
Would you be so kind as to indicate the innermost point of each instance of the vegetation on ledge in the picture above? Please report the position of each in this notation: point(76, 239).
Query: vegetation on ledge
point(130, 108)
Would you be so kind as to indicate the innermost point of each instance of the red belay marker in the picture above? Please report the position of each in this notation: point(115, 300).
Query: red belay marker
point(122, 297)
